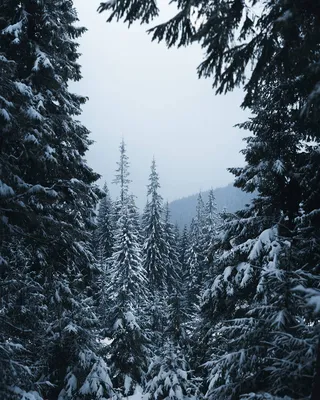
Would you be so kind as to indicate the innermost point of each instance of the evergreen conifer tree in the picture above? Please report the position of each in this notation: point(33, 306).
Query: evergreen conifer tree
point(155, 246)
point(47, 201)
point(155, 258)
point(122, 174)
point(263, 343)
point(128, 351)
point(211, 222)
point(127, 290)
point(22, 326)
point(169, 376)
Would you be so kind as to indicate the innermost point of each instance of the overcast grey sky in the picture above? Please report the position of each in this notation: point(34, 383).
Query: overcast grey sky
point(152, 97)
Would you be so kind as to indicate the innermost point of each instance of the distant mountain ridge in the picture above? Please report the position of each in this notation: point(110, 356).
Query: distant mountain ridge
point(229, 197)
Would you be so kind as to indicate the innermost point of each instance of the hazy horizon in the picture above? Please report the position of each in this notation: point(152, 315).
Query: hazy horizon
point(152, 97)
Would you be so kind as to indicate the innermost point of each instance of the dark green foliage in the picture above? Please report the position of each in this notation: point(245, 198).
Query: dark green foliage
point(47, 201)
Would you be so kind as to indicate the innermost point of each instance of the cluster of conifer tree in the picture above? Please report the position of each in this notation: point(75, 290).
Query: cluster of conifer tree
point(91, 308)
point(149, 291)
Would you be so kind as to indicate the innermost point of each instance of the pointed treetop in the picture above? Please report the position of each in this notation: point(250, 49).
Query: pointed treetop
point(200, 207)
point(211, 212)
point(154, 184)
point(106, 189)
point(122, 172)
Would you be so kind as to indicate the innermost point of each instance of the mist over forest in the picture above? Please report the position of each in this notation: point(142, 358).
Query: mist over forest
point(228, 198)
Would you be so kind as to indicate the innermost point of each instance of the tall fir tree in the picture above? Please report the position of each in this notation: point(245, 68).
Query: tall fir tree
point(211, 222)
point(47, 201)
point(122, 174)
point(155, 258)
point(263, 342)
point(155, 246)
point(128, 291)
point(128, 351)
point(123, 181)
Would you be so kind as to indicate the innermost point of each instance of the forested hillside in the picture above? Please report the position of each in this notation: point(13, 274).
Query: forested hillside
point(228, 198)
point(97, 303)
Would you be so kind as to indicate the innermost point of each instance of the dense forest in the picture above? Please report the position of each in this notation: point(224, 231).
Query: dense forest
point(97, 302)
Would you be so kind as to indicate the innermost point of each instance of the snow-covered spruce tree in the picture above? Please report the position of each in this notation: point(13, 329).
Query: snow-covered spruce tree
point(179, 314)
point(169, 376)
point(122, 174)
point(73, 347)
point(155, 257)
point(210, 224)
point(47, 197)
point(306, 245)
point(114, 211)
point(128, 351)
point(155, 246)
point(21, 323)
point(300, 199)
point(128, 291)
point(261, 340)
point(123, 181)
